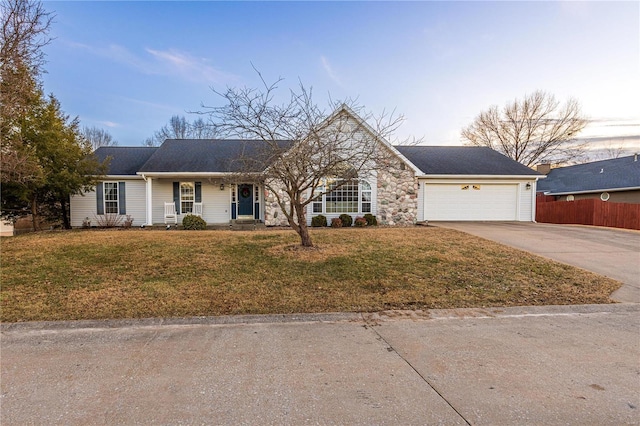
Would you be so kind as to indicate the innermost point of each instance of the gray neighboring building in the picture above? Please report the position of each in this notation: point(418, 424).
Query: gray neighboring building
point(616, 180)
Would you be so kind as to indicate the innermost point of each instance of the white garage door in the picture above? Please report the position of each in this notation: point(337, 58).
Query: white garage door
point(470, 201)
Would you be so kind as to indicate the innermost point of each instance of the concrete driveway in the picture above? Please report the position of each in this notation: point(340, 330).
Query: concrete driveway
point(611, 252)
point(561, 365)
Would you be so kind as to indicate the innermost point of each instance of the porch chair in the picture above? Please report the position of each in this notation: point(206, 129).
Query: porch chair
point(197, 209)
point(170, 213)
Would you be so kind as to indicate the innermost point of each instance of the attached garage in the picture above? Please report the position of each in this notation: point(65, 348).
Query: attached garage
point(470, 201)
point(471, 183)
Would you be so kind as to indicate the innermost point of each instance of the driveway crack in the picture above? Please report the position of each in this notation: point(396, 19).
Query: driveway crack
point(390, 348)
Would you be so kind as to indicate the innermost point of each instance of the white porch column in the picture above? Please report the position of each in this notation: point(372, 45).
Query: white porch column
point(149, 196)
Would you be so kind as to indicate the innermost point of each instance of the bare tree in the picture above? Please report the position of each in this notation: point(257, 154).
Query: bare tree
point(180, 128)
point(98, 137)
point(25, 28)
point(532, 130)
point(199, 129)
point(302, 145)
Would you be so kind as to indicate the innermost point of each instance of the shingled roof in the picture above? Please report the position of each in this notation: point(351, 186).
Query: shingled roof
point(463, 160)
point(125, 160)
point(210, 156)
point(618, 173)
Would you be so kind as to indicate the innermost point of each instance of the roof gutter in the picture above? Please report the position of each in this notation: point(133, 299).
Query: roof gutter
point(185, 174)
point(471, 176)
point(590, 191)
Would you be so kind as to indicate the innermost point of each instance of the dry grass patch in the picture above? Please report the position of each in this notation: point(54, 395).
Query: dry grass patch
point(135, 273)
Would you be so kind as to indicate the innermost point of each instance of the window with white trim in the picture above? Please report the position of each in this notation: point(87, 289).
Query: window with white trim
point(343, 199)
point(317, 202)
point(111, 198)
point(187, 197)
point(349, 197)
point(365, 197)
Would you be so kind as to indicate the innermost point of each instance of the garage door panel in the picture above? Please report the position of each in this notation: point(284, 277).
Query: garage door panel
point(477, 202)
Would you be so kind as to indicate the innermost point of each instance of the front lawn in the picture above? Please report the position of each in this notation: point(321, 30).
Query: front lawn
point(141, 273)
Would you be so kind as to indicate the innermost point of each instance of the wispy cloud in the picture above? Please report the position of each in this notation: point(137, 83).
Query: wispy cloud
point(109, 124)
point(189, 67)
point(330, 71)
point(172, 62)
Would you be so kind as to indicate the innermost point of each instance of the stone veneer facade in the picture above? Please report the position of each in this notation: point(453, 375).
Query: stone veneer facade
point(397, 195)
point(397, 198)
point(273, 215)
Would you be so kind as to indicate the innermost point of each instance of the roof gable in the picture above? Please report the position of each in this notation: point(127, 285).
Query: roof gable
point(463, 160)
point(617, 173)
point(125, 160)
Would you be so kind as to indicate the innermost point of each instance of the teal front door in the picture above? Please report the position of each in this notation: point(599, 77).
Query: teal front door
point(245, 200)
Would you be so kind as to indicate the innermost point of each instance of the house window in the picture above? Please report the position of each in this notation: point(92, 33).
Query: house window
point(187, 197)
point(350, 197)
point(343, 199)
point(317, 202)
point(365, 196)
point(111, 197)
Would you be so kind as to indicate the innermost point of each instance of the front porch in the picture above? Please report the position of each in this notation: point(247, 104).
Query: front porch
point(220, 203)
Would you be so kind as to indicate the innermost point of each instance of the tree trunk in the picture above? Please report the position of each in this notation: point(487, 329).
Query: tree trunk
point(303, 230)
point(34, 214)
point(65, 213)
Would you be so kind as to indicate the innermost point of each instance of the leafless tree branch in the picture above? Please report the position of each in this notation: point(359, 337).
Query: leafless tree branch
point(532, 130)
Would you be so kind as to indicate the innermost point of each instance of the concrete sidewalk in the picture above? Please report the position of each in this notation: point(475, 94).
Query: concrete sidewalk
point(533, 365)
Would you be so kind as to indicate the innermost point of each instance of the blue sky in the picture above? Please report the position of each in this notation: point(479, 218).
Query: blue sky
point(129, 66)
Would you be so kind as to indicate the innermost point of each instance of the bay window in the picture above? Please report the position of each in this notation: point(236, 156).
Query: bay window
point(345, 197)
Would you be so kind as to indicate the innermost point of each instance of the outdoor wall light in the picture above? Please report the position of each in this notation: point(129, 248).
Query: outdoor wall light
point(528, 186)
point(222, 187)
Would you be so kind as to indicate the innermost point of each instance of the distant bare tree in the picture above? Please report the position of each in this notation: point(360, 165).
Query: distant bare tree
point(608, 150)
point(532, 130)
point(180, 128)
point(199, 129)
point(303, 144)
point(98, 137)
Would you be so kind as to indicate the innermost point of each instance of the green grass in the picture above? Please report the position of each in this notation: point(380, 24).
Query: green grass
point(141, 273)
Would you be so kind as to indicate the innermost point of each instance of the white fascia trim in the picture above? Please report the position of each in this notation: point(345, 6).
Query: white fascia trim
point(120, 177)
point(191, 174)
point(593, 191)
point(509, 177)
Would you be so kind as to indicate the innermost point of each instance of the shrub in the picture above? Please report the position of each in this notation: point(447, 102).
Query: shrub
point(346, 220)
point(371, 219)
point(191, 221)
point(319, 221)
point(360, 222)
point(86, 223)
point(109, 220)
point(128, 222)
point(336, 222)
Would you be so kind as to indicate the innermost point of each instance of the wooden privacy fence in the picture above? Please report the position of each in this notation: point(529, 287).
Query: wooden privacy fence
point(589, 212)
